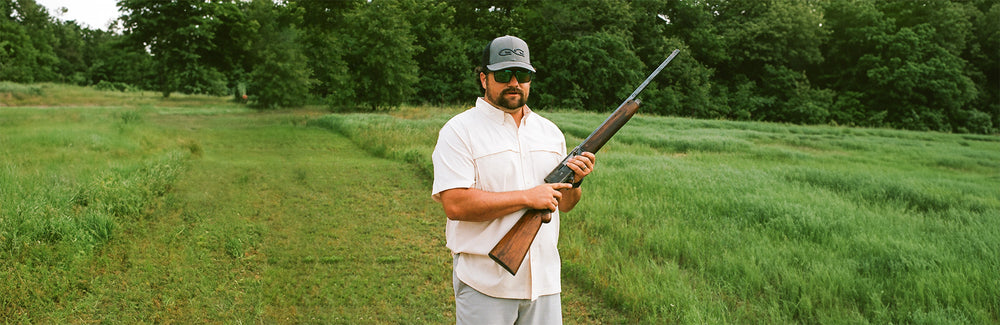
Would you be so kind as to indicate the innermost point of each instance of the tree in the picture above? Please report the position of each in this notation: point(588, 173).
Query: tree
point(684, 89)
point(855, 26)
point(889, 59)
point(180, 37)
point(609, 69)
point(983, 55)
point(445, 72)
point(920, 85)
point(70, 48)
point(110, 57)
point(280, 76)
point(478, 22)
point(26, 38)
point(771, 46)
point(325, 45)
point(381, 55)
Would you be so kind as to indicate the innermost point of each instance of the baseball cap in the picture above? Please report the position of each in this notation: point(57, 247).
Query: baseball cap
point(506, 52)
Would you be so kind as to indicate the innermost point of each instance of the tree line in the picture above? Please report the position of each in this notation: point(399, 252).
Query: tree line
point(914, 64)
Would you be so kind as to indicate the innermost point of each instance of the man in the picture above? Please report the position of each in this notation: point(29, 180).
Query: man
point(489, 166)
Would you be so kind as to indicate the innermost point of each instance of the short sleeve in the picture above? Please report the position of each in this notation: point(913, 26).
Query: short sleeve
point(453, 163)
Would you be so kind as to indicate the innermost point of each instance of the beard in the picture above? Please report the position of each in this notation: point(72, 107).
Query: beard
point(509, 104)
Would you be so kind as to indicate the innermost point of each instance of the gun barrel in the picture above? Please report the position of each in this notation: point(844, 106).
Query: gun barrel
point(651, 76)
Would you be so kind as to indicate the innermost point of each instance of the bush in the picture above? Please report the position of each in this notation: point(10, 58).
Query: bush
point(105, 85)
point(977, 122)
point(18, 91)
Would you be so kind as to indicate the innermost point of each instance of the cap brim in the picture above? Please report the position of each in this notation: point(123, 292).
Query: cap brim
point(510, 64)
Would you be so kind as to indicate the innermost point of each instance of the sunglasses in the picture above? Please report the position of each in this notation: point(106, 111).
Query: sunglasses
point(503, 76)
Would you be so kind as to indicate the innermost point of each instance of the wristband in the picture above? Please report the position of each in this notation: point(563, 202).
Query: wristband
point(577, 184)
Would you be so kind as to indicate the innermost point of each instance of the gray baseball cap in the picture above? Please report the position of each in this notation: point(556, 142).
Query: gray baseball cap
point(506, 52)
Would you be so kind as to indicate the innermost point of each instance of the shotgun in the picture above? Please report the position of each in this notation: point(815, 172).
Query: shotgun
point(512, 248)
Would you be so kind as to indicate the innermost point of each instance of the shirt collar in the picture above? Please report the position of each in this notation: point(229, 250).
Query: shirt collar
point(498, 116)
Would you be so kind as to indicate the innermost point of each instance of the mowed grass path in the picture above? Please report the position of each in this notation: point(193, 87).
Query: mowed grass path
point(303, 225)
point(273, 221)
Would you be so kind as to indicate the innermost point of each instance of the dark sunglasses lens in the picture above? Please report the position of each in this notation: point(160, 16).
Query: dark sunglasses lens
point(523, 76)
point(503, 76)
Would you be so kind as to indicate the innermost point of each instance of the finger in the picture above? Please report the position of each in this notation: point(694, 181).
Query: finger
point(580, 167)
point(559, 186)
point(591, 159)
point(575, 166)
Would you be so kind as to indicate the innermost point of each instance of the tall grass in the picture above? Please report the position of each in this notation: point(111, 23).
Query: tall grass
point(68, 186)
point(737, 222)
point(400, 138)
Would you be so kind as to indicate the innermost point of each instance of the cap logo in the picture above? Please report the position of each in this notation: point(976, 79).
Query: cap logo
point(506, 52)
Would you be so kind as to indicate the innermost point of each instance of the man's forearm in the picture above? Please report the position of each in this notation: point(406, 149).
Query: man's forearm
point(467, 204)
point(569, 199)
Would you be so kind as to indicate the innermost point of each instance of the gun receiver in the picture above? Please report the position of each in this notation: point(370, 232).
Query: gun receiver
point(513, 247)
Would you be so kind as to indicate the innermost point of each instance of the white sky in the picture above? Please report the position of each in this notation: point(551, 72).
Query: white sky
point(93, 13)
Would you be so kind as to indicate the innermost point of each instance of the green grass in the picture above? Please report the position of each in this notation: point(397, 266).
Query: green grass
point(696, 221)
point(130, 208)
point(69, 183)
point(207, 212)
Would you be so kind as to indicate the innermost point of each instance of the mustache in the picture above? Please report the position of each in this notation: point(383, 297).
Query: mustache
point(512, 90)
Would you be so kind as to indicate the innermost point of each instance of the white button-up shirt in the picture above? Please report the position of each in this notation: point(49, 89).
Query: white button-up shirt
point(483, 148)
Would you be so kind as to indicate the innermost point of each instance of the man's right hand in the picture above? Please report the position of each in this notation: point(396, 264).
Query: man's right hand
point(545, 196)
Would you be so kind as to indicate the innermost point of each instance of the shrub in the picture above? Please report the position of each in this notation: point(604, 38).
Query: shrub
point(114, 86)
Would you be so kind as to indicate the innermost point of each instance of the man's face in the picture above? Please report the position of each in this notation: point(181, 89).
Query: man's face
point(509, 96)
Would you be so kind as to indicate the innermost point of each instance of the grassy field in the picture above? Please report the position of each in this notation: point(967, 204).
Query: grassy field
point(694, 221)
point(130, 208)
point(137, 209)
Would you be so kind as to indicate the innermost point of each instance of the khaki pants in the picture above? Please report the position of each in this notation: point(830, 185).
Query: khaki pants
point(475, 308)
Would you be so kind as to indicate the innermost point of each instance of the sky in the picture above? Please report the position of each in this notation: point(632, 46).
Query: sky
point(93, 13)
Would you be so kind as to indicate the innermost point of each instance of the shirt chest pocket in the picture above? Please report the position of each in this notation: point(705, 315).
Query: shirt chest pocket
point(545, 156)
point(497, 166)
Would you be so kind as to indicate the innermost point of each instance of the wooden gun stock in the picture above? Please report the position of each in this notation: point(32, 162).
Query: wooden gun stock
point(513, 247)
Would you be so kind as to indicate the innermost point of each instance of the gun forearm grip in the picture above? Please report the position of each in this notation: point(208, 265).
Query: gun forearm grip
point(562, 173)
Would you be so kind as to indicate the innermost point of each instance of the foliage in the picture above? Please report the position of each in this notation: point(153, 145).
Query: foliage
point(924, 65)
point(280, 76)
point(611, 69)
point(383, 67)
point(26, 52)
point(115, 86)
point(180, 35)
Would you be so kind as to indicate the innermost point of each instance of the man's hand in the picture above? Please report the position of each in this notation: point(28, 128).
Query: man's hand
point(545, 196)
point(582, 165)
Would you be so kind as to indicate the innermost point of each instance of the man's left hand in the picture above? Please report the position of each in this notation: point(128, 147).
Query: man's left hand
point(582, 165)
